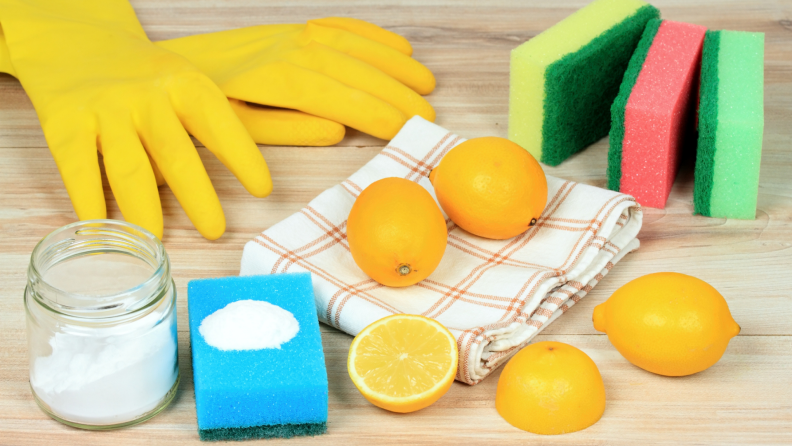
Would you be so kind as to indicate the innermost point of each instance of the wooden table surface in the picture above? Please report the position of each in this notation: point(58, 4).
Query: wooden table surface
point(746, 398)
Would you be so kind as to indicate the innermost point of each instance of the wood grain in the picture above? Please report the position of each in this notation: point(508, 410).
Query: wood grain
point(744, 399)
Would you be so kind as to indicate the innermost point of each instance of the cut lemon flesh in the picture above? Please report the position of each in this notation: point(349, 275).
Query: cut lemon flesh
point(403, 362)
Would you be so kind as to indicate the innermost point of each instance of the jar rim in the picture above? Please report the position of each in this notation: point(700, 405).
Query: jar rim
point(155, 283)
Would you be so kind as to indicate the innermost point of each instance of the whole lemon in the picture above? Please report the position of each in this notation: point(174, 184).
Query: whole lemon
point(490, 187)
point(550, 388)
point(396, 232)
point(667, 323)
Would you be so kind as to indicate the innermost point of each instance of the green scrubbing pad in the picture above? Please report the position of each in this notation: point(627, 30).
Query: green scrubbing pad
point(708, 112)
point(273, 431)
point(731, 125)
point(563, 81)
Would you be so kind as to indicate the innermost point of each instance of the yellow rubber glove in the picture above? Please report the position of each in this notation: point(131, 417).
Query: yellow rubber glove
point(342, 69)
point(97, 82)
point(346, 70)
point(274, 126)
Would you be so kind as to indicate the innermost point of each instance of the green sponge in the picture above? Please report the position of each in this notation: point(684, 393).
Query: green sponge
point(563, 81)
point(731, 124)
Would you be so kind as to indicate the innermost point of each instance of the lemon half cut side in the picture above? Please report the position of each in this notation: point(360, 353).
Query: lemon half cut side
point(403, 363)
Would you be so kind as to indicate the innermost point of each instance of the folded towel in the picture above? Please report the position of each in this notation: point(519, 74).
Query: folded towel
point(494, 295)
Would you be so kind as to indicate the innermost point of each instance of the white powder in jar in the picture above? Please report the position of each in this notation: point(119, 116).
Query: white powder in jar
point(249, 325)
point(107, 376)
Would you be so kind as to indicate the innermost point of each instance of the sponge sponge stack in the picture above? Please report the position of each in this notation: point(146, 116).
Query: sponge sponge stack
point(731, 125)
point(563, 81)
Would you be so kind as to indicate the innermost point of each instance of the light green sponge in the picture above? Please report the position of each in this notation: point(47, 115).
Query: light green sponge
point(731, 124)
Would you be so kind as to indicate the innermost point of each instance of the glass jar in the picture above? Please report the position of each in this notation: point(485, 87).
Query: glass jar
point(101, 325)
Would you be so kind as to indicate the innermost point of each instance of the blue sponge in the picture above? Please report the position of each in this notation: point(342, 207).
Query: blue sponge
point(259, 393)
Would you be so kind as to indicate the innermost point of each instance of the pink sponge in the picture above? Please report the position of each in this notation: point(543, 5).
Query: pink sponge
point(654, 111)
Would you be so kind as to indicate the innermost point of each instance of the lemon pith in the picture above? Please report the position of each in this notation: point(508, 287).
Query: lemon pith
point(403, 363)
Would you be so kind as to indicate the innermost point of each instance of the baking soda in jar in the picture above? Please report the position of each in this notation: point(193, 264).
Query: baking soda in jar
point(101, 325)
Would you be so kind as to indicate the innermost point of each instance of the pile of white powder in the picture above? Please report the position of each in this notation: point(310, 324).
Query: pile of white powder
point(107, 376)
point(249, 325)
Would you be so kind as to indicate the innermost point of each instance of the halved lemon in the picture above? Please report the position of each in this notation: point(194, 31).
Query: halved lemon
point(403, 363)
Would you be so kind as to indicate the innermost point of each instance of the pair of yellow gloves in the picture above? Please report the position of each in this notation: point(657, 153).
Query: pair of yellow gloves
point(99, 84)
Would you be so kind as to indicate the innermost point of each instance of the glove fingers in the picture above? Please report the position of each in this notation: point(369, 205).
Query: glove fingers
point(205, 112)
point(283, 127)
point(215, 46)
point(219, 54)
point(367, 30)
point(403, 68)
point(130, 174)
point(286, 85)
point(73, 146)
point(362, 76)
point(172, 150)
point(157, 173)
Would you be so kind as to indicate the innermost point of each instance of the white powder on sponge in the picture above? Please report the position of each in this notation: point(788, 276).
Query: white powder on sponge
point(249, 325)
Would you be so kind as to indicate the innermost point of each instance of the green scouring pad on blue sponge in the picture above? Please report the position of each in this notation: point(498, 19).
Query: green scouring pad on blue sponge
point(563, 81)
point(258, 364)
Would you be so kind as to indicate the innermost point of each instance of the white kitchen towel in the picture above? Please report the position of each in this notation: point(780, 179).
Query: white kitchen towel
point(494, 295)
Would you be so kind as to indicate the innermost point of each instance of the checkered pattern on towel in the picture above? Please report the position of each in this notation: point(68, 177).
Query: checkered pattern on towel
point(494, 295)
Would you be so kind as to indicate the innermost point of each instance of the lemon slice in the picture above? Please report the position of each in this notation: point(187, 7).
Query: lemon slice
point(403, 363)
